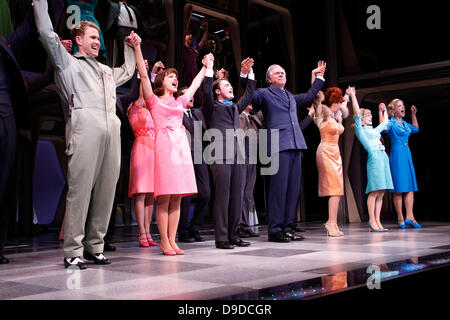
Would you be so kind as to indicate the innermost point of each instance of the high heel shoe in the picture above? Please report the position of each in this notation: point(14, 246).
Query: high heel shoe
point(143, 241)
point(179, 251)
point(402, 225)
point(372, 229)
point(150, 240)
point(168, 252)
point(330, 233)
point(413, 223)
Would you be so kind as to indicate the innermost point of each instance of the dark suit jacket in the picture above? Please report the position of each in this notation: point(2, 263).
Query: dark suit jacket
point(122, 103)
point(280, 112)
point(9, 46)
point(112, 10)
point(222, 117)
point(197, 115)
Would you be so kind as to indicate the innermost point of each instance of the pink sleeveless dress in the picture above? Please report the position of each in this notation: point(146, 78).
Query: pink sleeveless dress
point(142, 155)
point(174, 170)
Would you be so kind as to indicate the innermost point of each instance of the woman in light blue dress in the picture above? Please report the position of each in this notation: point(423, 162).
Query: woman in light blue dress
point(87, 8)
point(378, 171)
point(400, 159)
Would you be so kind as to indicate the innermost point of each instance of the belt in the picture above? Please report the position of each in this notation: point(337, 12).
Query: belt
point(377, 148)
point(147, 132)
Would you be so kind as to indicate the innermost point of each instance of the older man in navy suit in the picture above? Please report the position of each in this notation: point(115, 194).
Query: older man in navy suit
point(279, 107)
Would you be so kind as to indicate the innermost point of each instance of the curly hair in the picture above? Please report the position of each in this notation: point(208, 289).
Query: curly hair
point(333, 95)
point(158, 87)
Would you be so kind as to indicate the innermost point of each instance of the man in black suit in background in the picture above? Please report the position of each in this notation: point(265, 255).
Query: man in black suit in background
point(117, 20)
point(222, 115)
point(195, 124)
point(14, 114)
point(253, 122)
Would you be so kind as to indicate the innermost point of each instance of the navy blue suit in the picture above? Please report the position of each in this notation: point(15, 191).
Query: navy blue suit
point(279, 107)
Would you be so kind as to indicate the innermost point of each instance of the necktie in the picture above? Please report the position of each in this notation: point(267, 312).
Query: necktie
point(247, 120)
point(129, 13)
point(189, 114)
point(228, 103)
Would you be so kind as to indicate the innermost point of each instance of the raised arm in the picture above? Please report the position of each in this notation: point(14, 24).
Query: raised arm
point(319, 71)
point(197, 82)
point(204, 38)
point(306, 99)
point(145, 79)
point(247, 72)
point(208, 94)
point(384, 119)
point(414, 121)
point(352, 93)
point(58, 55)
point(126, 71)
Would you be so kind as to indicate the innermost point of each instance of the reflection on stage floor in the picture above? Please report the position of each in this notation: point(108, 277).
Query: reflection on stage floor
point(311, 268)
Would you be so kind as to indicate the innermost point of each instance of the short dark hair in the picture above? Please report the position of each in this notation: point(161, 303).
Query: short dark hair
point(158, 88)
point(216, 85)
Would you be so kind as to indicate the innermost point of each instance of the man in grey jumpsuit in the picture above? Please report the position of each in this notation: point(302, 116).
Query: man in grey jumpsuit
point(92, 134)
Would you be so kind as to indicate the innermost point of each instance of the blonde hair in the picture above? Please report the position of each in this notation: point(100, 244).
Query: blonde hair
point(362, 112)
point(391, 107)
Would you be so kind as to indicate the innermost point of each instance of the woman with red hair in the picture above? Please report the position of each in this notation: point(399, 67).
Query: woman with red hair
point(329, 110)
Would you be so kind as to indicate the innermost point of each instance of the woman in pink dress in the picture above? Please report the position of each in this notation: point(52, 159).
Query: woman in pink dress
point(174, 172)
point(141, 186)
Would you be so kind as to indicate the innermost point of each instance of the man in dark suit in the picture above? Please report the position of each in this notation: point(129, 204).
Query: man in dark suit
point(120, 19)
point(195, 124)
point(279, 107)
point(14, 114)
point(253, 122)
point(227, 160)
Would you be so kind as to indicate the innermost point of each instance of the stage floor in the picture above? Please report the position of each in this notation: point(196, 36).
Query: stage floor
point(306, 269)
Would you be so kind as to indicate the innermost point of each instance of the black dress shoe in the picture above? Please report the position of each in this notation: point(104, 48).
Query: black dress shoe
point(98, 258)
point(224, 245)
point(251, 233)
point(108, 247)
point(242, 233)
point(293, 236)
point(298, 229)
point(240, 243)
point(197, 237)
point(279, 237)
point(185, 239)
point(3, 260)
point(76, 262)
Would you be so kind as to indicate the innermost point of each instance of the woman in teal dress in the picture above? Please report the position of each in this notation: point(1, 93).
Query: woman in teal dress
point(87, 8)
point(400, 159)
point(378, 171)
